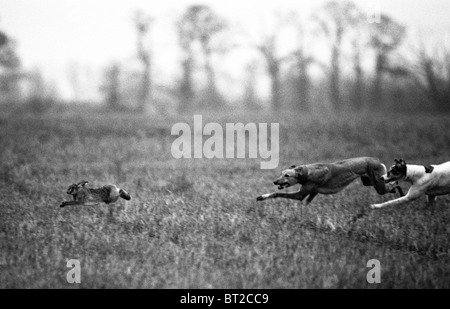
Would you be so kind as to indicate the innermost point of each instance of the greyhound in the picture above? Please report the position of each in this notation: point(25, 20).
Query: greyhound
point(430, 180)
point(330, 178)
point(92, 197)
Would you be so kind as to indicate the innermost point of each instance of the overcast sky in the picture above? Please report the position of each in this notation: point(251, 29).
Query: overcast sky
point(52, 34)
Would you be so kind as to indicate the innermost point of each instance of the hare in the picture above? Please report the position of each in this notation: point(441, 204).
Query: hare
point(91, 197)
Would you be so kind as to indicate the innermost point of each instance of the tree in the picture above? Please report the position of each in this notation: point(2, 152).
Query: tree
point(334, 20)
point(268, 46)
point(3, 39)
point(386, 37)
point(186, 37)
point(111, 88)
point(432, 75)
point(9, 70)
point(269, 51)
point(302, 63)
point(200, 24)
point(250, 97)
point(8, 56)
point(43, 94)
point(358, 88)
point(143, 24)
point(358, 43)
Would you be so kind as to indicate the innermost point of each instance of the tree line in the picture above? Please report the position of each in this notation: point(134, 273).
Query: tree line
point(339, 24)
point(347, 81)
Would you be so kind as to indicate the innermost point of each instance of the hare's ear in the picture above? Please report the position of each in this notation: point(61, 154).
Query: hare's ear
point(292, 166)
point(82, 183)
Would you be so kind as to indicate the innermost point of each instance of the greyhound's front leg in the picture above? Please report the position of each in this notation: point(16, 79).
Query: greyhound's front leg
point(67, 203)
point(73, 203)
point(411, 196)
point(299, 195)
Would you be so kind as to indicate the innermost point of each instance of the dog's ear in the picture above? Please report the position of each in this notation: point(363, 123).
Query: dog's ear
point(301, 173)
point(400, 162)
point(428, 169)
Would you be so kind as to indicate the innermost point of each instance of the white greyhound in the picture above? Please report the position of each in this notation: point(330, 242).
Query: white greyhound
point(429, 180)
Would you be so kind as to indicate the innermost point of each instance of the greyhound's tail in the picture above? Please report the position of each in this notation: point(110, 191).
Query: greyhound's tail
point(124, 194)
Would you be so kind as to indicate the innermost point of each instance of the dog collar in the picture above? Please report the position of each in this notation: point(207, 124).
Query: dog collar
point(428, 169)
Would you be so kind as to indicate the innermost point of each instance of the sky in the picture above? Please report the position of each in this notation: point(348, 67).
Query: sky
point(55, 34)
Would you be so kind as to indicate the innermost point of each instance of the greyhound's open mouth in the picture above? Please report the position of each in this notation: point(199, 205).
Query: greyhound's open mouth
point(283, 186)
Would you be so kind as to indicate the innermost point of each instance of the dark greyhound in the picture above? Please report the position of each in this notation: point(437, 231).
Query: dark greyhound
point(330, 178)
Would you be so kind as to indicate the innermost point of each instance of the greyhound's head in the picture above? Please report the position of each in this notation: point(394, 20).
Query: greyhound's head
point(397, 171)
point(73, 189)
point(290, 177)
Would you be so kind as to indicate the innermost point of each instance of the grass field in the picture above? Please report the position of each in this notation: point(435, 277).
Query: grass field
point(195, 223)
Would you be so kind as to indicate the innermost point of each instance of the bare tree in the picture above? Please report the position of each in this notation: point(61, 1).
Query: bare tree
point(42, 97)
point(267, 46)
point(302, 63)
point(432, 75)
point(10, 74)
point(250, 97)
point(3, 39)
point(334, 20)
point(359, 43)
point(358, 89)
point(143, 24)
point(304, 82)
point(111, 87)
point(200, 24)
point(186, 37)
point(386, 37)
point(8, 56)
point(269, 51)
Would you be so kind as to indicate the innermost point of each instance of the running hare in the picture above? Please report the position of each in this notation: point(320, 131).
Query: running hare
point(90, 197)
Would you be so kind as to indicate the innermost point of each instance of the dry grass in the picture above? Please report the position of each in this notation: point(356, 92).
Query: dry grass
point(196, 224)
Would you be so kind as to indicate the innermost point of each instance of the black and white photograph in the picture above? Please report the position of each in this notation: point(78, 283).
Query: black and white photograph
point(224, 149)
